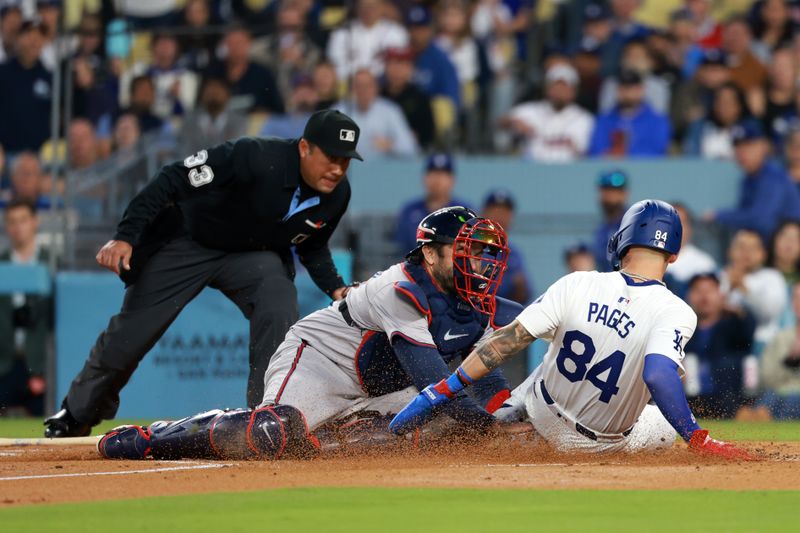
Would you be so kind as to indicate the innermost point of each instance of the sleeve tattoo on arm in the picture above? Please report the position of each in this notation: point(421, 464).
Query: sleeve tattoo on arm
point(502, 344)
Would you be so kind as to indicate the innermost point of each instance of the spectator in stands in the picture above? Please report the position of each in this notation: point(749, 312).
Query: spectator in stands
point(21, 225)
point(773, 28)
point(83, 146)
point(326, 85)
point(588, 56)
point(692, 260)
point(625, 28)
point(252, 85)
point(25, 318)
point(747, 71)
point(784, 256)
point(499, 206)
point(301, 104)
point(707, 31)
point(27, 180)
point(597, 27)
point(682, 49)
point(434, 72)
point(637, 57)
point(398, 88)
point(143, 97)
point(579, 258)
point(711, 137)
point(748, 283)
point(554, 130)
point(175, 85)
point(131, 170)
point(362, 43)
point(612, 195)
point(715, 352)
point(384, 130)
point(514, 21)
point(490, 21)
point(49, 13)
point(25, 93)
point(146, 15)
point(776, 106)
point(95, 84)
point(455, 40)
point(259, 14)
point(692, 99)
point(10, 24)
point(439, 181)
point(791, 150)
point(632, 128)
point(288, 51)
point(780, 368)
point(766, 195)
point(23, 347)
point(784, 253)
point(211, 122)
point(197, 45)
point(126, 134)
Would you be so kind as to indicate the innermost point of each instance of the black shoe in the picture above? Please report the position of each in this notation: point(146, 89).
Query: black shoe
point(62, 424)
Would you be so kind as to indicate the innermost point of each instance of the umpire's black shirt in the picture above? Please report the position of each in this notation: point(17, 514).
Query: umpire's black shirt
point(237, 197)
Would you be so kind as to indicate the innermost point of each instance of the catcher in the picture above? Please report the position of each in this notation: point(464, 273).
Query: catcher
point(390, 337)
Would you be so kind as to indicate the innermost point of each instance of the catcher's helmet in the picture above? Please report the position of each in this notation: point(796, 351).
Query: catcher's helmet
point(480, 252)
point(649, 223)
point(442, 226)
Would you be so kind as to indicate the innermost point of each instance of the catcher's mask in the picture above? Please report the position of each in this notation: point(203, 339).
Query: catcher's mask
point(480, 255)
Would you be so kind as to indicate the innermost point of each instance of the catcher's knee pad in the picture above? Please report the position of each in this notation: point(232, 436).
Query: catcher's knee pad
point(300, 443)
point(248, 434)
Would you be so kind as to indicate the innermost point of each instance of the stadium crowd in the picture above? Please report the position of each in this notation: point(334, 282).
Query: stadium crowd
point(437, 78)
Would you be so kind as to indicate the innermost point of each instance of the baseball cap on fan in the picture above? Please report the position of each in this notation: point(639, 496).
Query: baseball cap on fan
point(562, 72)
point(334, 132)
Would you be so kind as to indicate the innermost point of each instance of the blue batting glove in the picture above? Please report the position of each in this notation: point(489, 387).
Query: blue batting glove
point(420, 409)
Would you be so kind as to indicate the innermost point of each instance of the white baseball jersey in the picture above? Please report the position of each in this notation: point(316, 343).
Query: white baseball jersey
point(601, 326)
point(559, 135)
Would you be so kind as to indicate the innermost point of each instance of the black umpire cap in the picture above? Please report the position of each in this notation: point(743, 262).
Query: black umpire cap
point(334, 132)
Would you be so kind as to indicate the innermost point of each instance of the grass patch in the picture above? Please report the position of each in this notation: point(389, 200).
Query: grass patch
point(721, 429)
point(34, 428)
point(753, 431)
point(380, 509)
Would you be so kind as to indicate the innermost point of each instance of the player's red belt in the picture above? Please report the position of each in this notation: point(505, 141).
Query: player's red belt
point(580, 428)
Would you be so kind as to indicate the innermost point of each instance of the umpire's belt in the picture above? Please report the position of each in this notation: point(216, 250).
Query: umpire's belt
point(346, 314)
point(580, 428)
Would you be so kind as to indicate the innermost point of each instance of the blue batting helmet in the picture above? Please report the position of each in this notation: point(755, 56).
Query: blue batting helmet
point(649, 223)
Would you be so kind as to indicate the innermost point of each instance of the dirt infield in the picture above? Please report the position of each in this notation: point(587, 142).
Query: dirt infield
point(51, 475)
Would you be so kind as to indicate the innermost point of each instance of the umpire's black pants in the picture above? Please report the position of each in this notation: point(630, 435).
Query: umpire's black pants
point(257, 282)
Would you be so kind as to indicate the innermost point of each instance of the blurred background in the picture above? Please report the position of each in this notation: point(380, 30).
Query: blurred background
point(548, 116)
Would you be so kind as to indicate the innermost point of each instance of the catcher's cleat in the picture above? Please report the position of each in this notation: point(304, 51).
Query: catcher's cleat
point(125, 442)
point(63, 424)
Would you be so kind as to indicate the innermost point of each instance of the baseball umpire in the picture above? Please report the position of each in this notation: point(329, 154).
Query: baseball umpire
point(225, 218)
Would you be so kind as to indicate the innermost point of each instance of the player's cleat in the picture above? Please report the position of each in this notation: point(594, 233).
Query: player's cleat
point(63, 424)
point(125, 442)
point(703, 444)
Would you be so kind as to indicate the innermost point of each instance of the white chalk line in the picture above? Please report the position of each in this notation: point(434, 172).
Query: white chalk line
point(202, 466)
point(542, 465)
